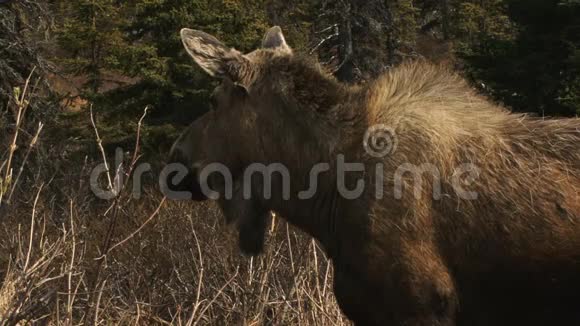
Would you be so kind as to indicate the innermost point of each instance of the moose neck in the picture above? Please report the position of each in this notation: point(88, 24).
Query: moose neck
point(301, 127)
point(315, 215)
point(317, 207)
point(312, 201)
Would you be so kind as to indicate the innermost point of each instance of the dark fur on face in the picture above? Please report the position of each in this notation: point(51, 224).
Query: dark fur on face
point(250, 217)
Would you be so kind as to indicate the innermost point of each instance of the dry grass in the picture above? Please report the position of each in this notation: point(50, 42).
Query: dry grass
point(69, 258)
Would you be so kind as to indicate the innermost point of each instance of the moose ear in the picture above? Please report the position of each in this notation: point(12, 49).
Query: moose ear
point(274, 39)
point(212, 55)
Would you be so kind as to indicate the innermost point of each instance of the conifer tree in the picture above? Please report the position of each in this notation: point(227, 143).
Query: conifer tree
point(91, 33)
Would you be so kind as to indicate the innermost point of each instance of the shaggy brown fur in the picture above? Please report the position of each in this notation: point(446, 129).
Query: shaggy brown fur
point(510, 256)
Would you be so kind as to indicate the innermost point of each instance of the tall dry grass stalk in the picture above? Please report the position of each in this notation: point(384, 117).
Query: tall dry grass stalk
point(21, 103)
point(68, 258)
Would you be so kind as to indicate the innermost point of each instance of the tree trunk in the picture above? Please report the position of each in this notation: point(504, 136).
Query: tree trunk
point(445, 18)
point(389, 23)
point(345, 70)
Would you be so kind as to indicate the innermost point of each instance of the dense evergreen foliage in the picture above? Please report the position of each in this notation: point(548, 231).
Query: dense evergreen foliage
point(523, 53)
point(22, 35)
point(529, 55)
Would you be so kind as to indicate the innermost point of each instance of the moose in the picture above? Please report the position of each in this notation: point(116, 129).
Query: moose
point(498, 245)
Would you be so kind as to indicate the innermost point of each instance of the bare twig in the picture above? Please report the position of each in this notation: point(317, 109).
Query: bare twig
point(30, 146)
point(220, 291)
point(71, 296)
point(155, 213)
point(100, 144)
point(200, 274)
point(32, 228)
point(327, 38)
point(96, 321)
point(22, 104)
